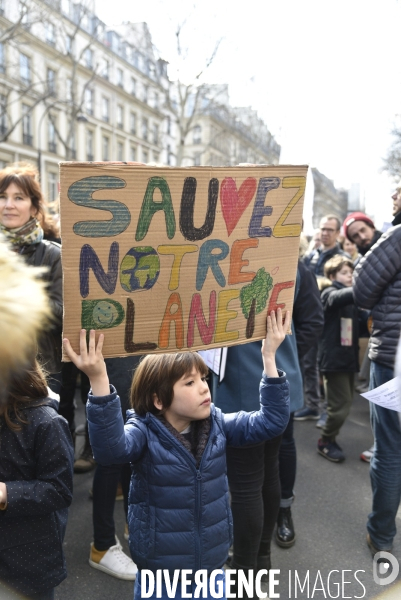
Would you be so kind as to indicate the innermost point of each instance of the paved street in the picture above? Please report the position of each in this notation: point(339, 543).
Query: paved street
point(332, 502)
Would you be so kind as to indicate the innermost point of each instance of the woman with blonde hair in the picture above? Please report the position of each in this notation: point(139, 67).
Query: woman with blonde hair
point(29, 229)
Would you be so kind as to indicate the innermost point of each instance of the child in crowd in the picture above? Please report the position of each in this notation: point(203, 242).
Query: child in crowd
point(36, 454)
point(338, 351)
point(179, 516)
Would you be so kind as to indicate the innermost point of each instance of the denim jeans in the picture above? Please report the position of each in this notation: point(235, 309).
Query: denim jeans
point(385, 465)
point(190, 589)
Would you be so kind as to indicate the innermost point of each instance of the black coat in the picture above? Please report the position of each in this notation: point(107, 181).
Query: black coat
point(48, 254)
point(338, 303)
point(36, 463)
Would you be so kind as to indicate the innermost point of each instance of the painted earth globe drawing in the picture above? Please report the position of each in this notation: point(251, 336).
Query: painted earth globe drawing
point(139, 269)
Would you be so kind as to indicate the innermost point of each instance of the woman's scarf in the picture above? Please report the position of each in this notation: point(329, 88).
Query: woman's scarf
point(27, 235)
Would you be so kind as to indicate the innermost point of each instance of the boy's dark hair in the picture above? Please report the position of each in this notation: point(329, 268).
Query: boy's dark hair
point(25, 386)
point(335, 264)
point(157, 374)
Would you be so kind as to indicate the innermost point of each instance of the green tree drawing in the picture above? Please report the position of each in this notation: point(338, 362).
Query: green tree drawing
point(254, 297)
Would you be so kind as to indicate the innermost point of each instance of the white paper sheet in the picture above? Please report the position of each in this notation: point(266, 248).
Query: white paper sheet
point(215, 360)
point(386, 395)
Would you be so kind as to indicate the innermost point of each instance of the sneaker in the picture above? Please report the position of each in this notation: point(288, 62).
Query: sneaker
point(85, 462)
point(367, 455)
point(306, 414)
point(113, 562)
point(331, 451)
point(322, 421)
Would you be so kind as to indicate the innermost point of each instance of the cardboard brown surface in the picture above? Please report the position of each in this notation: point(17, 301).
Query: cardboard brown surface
point(165, 259)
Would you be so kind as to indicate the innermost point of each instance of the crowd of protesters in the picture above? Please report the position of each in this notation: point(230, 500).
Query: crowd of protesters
point(348, 285)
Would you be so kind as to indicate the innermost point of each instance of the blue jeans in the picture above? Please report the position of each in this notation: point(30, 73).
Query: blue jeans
point(189, 589)
point(385, 465)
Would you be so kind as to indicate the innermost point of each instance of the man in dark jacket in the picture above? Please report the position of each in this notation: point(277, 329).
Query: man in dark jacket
point(378, 287)
point(360, 230)
point(315, 261)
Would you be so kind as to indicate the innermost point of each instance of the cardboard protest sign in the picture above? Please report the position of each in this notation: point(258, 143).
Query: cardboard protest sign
point(166, 259)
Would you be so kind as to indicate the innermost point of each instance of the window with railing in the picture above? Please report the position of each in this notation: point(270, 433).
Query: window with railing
point(145, 155)
point(105, 68)
point(120, 116)
point(105, 148)
point(68, 89)
point(145, 93)
point(89, 58)
point(51, 81)
point(133, 123)
point(89, 101)
point(120, 78)
point(120, 151)
point(69, 44)
point(51, 134)
point(155, 133)
point(197, 134)
point(52, 187)
point(168, 125)
point(133, 154)
point(25, 70)
point(145, 128)
point(156, 101)
point(2, 59)
point(3, 114)
point(27, 137)
point(168, 150)
point(89, 145)
point(133, 86)
point(105, 109)
point(197, 159)
point(50, 34)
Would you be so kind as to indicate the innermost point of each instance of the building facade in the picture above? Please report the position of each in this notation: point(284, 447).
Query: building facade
point(327, 199)
point(222, 135)
point(72, 89)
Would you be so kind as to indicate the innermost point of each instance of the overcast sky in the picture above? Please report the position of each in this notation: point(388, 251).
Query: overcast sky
point(325, 76)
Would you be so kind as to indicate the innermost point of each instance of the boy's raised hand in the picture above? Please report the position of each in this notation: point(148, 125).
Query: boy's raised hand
point(90, 361)
point(275, 334)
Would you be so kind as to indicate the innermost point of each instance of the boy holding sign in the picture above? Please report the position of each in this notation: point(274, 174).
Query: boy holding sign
point(179, 516)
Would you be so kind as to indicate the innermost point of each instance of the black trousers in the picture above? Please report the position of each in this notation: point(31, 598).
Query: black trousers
point(253, 477)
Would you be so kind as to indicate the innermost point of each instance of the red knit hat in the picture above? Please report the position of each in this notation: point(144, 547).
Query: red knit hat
point(356, 216)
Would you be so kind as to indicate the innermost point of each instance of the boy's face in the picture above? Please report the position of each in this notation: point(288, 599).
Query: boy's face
point(191, 401)
point(344, 276)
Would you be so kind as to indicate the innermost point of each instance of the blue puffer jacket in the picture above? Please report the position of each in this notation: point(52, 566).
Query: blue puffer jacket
point(179, 515)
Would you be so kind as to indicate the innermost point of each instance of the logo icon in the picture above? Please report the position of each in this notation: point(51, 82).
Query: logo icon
point(385, 568)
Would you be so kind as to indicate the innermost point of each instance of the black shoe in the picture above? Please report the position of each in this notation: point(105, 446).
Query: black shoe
point(285, 534)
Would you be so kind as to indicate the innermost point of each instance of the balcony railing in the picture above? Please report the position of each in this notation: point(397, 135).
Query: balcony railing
point(27, 139)
point(89, 157)
point(53, 147)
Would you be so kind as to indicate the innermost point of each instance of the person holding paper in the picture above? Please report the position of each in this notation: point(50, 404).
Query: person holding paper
point(377, 286)
point(175, 439)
